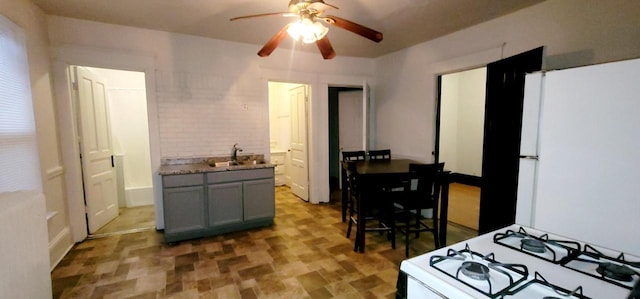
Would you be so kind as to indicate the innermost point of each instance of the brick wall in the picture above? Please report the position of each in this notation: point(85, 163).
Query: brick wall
point(205, 114)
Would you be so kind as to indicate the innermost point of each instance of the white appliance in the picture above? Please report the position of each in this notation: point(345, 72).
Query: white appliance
point(440, 273)
point(580, 156)
point(584, 125)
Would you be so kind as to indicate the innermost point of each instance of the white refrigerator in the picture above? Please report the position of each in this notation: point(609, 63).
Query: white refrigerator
point(580, 154)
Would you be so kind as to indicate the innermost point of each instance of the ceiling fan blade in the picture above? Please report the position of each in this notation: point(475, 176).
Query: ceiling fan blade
point(273, 43)
point(284, 14)
point(355, 28)
point(325, 48)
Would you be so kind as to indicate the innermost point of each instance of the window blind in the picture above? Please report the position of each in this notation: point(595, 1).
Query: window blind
point(19, 163)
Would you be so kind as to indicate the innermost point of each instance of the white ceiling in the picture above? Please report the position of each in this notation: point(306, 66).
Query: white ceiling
point(403, 22)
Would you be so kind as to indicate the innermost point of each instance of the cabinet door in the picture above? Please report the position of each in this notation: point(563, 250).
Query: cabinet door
point(225, 203)
point(259, 199)
point(184, 209)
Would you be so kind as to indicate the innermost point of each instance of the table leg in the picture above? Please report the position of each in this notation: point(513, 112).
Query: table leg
point(360, 236)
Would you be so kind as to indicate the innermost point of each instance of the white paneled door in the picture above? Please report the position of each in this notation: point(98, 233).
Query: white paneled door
point(350, 117)
point(96, 150)
point(366, 122)
point(298, 148)
point(351, 122)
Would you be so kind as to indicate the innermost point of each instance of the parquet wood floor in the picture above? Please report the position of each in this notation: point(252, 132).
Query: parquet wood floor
point(305, 254)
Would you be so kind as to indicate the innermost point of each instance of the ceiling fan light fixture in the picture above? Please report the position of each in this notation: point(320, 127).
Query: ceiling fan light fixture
point(307, 30)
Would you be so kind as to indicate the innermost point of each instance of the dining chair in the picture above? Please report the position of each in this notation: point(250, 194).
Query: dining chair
point(384, 154)
point(353, 156)
point(349, 156)
point(370, 212)
point(421, 193)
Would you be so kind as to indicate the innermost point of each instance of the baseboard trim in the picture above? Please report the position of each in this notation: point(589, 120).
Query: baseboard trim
point(139, 196)
point(466, 179)
point(60, 246)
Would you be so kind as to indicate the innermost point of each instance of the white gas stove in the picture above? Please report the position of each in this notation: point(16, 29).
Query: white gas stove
point(521, 262)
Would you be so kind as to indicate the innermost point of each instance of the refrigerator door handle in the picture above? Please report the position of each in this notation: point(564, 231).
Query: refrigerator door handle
point(529, 157)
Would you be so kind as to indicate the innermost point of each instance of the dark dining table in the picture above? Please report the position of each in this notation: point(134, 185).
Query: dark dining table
point(376, 171)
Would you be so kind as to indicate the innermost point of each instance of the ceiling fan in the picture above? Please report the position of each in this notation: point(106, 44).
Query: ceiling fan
point(308, 28)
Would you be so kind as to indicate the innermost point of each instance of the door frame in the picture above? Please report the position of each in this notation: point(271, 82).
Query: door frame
point(317, 119)
point(336, 148)
point(498, 194)
point(63, 57)
point(472, 61)
point(456, 65)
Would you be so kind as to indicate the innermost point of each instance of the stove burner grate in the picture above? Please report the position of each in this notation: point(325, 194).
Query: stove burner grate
point(477, 267)
point(541, 247)
point(475, 270)
point(540, 281)
point(533, 245)
point(616, 272)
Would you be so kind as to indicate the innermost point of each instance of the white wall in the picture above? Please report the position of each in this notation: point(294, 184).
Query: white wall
point(280, 115)
point(450, 88)
point(575, 32)
point(462, 121)
point(130, 132)
point(33, 21)
point(203, 85)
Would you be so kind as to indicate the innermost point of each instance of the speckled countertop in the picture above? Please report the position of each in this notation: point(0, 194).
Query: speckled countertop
point(172, 166)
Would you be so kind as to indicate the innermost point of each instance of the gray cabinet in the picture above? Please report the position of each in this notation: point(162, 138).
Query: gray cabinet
point(197, 205)
point(259, 199)
point(186, 205)
point(242, 197)
point(225, 203)
point(184, 202)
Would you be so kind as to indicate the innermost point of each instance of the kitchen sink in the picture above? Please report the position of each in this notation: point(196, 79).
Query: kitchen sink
point(236, 163)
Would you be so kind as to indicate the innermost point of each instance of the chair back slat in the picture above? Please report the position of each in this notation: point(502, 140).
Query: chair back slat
point(384, 154)
point(353, 156)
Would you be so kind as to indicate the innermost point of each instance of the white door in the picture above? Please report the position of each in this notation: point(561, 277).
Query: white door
point(366, 123)
point(298, 148)
point(96, 150)
point(350, 120)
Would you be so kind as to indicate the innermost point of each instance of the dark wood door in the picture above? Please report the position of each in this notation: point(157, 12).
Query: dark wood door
point(501, 148)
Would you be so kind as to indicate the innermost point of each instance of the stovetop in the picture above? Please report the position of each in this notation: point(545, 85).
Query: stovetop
point(560, 269)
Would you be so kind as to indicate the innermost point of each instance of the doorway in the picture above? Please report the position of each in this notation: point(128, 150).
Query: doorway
point(501, 141)
point(345, 128)
point(127, 125)
point(288, 135)
point(461, 122)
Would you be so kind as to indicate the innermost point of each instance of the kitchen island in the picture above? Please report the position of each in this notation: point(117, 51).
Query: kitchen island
point(200, 199)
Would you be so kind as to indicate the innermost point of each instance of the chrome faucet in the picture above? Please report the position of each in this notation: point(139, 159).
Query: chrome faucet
point(234, 155)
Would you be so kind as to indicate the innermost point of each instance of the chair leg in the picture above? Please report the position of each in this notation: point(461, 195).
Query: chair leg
point(407, 215)
point(355, 244)
point(436, 229)
point(418, 214)
point(393, 232)
point(350, 203)
point(436, 236)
